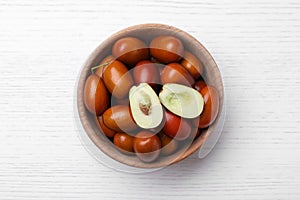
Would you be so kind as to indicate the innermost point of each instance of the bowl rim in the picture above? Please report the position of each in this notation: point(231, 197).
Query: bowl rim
point(93, 58)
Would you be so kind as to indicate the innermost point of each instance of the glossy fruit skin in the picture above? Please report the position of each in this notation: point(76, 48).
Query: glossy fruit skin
point(124, 142)
point(146, 72)
point(176, 127)
point(192, 64)
point(119, 119)
point(169, 145)
point(176, 73)
point(104, 129)
point(96, 97)
point(211, 106)
point(166, 49)
point(199, 85)
point(108, 59)
point(147, 146)
point(117, 79)
point(130, 50)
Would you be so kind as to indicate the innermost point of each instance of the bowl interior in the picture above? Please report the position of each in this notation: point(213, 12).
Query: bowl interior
point(146, 32)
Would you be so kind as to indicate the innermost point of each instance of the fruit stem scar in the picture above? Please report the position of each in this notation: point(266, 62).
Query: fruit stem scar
point(98, 66)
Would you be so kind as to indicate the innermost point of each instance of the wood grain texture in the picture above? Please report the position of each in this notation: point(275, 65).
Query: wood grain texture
point(43, 45)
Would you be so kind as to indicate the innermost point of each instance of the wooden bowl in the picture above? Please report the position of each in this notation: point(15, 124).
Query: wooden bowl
point(146, 32)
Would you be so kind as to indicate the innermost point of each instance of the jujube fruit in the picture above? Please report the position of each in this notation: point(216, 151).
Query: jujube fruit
point(192, 64)
point(124, 142)
point(176, 127)
point(147, 146)
point(166, 49)
point(96, 97)
point(176, 73)
point(117, 79)
point(119, 119)
point(211, 106)
point(130, 50)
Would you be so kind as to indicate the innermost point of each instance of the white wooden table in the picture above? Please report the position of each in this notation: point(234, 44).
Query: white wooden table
point(43, 45)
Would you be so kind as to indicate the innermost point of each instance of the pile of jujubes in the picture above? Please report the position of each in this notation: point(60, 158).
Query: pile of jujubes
point(150, 98)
